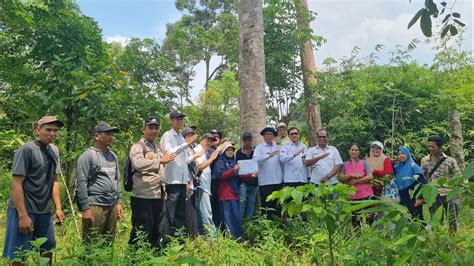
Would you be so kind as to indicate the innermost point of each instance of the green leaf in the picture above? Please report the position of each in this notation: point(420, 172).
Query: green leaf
point(360, 205)
point(297, 196)
point(402, 259)
point(454, 192)
point(456, 15)
point(469, 171)
point(415, 18)
point(292, 209)
point(437, 216)
point(432, 8)
point(306, 207)
point(453, 30)
point(404, 239)
point(399, 226)
point(425, 23)
point(446, 18)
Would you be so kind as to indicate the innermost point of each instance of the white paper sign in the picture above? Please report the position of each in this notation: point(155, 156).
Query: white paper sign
point(248, 167)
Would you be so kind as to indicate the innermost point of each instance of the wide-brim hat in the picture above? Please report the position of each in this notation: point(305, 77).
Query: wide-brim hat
point(268, 129)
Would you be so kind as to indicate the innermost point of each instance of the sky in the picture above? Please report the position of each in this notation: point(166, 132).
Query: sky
point(343, 23)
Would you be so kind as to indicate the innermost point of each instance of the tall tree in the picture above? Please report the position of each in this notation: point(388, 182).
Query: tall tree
point(311, 97)
point(251, 67)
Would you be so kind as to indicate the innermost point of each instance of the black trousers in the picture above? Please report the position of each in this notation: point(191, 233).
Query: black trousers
point(191, 217)
point(269, 207)
point(215, 204)
point(294, 184)
point(176, 205)
point(147, 215)
point(407, 201)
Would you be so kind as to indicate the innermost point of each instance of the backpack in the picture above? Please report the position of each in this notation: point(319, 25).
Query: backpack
point(130, 171)
point(95, 162)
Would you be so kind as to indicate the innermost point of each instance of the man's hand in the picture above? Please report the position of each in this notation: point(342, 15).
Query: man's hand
point(59, 216)
point(87, 216)
point(191, 138)
point(199, 154)
point(324, 179)
point(168, 158)
point(273, 153)
point(214, 154)
point(25, 224)
point(320, 157)
point(119, 207)
point(298, 152)
point(418, 202)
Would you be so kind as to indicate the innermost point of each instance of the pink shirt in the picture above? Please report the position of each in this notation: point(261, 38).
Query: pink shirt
point(362, 168)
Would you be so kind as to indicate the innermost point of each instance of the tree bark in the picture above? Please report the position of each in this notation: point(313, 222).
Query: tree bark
point(252, 103)
point(308, 65)
point(456, 140)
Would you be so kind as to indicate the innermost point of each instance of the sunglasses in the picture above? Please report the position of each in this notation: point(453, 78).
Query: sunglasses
point(294, 134)
point(322, 137)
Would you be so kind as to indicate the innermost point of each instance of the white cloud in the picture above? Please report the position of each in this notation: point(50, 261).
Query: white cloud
point(118, 38)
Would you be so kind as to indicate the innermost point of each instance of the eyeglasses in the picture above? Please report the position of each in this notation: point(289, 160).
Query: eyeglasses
point(322, 137)
point(179, 118)
point(376, 148)
point(294, 134)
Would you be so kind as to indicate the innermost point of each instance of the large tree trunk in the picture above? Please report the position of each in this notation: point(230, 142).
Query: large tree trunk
point(313, 112)
point(456, 140)
point(251, 68)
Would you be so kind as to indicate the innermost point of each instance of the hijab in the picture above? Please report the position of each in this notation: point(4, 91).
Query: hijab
point(405, 172)
point(376, 162)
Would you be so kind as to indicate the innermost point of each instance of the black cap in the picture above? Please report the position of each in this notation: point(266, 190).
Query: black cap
point(268, 129)
point(152, 121)
point(186, 131)
point(247, 135)
point(214, 131)
point(209, 136)
point(176, 113)
point(104, 127)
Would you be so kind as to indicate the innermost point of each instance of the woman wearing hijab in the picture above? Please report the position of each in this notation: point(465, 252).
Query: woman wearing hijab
point(380, 164)
point(227, 171)
point(407, 176)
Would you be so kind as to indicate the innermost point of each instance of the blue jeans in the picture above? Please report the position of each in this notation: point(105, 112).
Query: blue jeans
point(204, 213)
point(248, 195)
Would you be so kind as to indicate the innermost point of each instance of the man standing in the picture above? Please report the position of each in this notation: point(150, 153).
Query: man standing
point(176, 172)
point(248, 190)
point(291, 155)
point(324, 160)
point(270, 176)
point(34, 183)
point(282, 138)
point(215, 204)
point(147, 200)
point(436, 165)
point(203, 191)
point(98, 187)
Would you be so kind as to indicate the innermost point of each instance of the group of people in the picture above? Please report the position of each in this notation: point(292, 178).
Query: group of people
point(199, 187)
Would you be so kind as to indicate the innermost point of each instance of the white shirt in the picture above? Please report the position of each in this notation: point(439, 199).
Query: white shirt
point(269, 168)
point(206, 172)
point(176, 171)
point(293, 170)
point(324, 166)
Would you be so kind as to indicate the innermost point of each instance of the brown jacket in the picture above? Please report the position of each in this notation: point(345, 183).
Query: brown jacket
point(149, 176)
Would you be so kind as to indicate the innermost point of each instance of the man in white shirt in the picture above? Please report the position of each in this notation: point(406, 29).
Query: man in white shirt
point(324, 160)
point(270, 178)
point(176, 172)
point(291, 155)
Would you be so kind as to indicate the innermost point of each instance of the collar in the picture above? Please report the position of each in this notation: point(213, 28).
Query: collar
point(41, 144)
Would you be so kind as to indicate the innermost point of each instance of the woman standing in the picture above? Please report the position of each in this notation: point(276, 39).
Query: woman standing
point(407, 176)
point(380, 164)
point(357, 173)
point(227, 171)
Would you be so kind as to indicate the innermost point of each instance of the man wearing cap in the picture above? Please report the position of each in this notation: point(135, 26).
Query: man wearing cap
point(176, 172)
point(248, 190)
point(270, 176)
point(435, 166)
point(282, 138)
point(35, 189)
point(292, 154)
point(203, 190)
point(324, 160)
point(147, 200)
point(98, 187)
